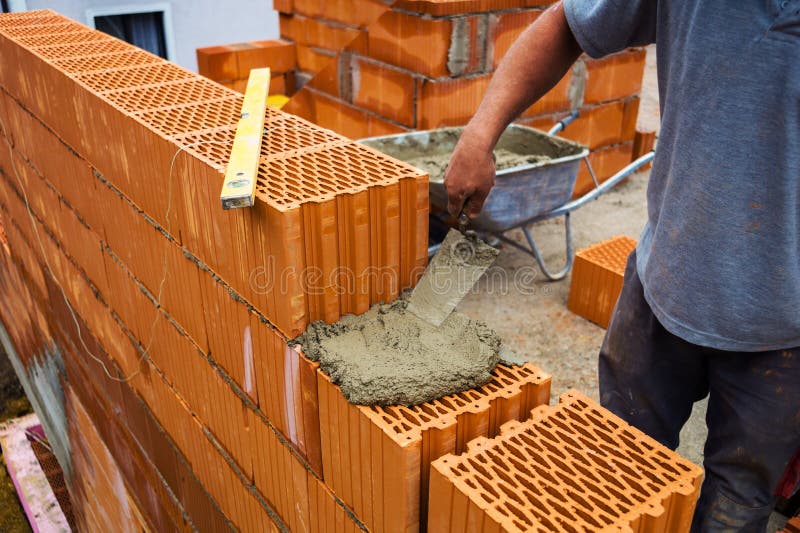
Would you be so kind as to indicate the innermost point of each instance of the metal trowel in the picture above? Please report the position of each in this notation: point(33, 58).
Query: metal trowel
point(453, 271)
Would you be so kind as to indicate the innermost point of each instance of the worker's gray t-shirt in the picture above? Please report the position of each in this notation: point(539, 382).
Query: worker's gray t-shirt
point(720, 255)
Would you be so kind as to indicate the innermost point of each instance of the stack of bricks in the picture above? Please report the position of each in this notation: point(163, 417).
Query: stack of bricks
point(597, 277)
point(230, 64)
point(571, 467)
point(377, 459)
point(386, 67)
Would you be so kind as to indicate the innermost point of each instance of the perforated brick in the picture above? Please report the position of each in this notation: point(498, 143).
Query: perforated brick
point(78, 65)
point(282, 133)
point(175, 93)
point(320, 173)
point(373, 221)
point(162, 72)
point(53, 27)
point(376, 458)
point(597, 277)
point(180, 120)
point(91, 48)
point(571, 467)
point(79, 36)
point(32, 18)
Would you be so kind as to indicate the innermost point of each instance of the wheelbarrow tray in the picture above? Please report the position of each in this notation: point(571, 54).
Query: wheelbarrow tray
point(521, 193)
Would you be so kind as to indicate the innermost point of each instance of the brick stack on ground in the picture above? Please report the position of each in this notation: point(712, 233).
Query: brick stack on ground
point(378, 68)
point(157, 324)
point(571, 467)
point(597, 277)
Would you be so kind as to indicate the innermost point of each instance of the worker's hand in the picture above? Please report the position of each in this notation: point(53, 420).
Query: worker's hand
point(469, 176)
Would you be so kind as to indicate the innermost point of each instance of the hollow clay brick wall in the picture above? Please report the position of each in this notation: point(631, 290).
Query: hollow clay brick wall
point(103, 144)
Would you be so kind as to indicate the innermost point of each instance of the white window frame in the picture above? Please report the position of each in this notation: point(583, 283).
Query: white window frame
point(131, 9)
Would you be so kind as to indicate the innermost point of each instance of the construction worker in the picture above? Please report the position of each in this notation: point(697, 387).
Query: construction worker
point(711, 300)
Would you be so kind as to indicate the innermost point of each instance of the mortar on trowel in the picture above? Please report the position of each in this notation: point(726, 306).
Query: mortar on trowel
point(415, 349)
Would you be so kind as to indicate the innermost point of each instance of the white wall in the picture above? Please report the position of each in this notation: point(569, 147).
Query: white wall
point(196, 23)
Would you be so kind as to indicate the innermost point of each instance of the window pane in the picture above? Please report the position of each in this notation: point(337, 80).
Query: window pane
point(145, 30)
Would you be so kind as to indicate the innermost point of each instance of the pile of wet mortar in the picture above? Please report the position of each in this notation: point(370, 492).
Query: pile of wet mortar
point(515, 148)
point(389, 356)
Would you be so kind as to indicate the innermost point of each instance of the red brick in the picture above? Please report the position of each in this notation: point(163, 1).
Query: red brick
point(413, 43)
point(556, 99)
point(643, 142)
point(291, 27)
point(615, 76)
point(360, 13)
point(504, 30)
point(217, 63)
point(378, 126)
point(386, 91)
point(458, 7)
point(313, 59)
point(330, 113)
point(328, 80)
point(630, 115)
point(595, 127)
point(376, 458)
point(278, 55)
point(325, 35)
point(281, 83)
point(449, 102)
point(309, 8)
point(283, 6)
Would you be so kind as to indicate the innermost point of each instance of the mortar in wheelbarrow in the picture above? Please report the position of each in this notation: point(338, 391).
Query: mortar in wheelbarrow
point(536, 172)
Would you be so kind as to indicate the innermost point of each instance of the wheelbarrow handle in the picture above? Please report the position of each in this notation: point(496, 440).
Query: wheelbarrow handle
point(563, 123)
point(604, 187)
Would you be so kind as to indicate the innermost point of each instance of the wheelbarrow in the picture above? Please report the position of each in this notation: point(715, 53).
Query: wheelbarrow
point(522, 195)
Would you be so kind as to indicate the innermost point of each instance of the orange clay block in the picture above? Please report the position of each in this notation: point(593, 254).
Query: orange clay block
point(792, 526)
point(278, 379)
point(96, 476)
point(376, 458)
point(597, 279)
point(160, 134)
point(643, 142)
point(571, 467)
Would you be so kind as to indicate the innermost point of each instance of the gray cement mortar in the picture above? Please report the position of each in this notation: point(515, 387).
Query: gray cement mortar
point(515, 148)
point(388, 356)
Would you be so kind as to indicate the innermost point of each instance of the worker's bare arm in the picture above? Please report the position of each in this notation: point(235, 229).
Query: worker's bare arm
point(533, 65)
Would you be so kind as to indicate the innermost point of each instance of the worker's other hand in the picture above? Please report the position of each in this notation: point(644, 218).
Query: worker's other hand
point(469, 176)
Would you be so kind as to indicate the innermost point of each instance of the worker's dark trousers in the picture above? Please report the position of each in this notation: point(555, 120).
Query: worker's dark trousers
point(651, 378)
